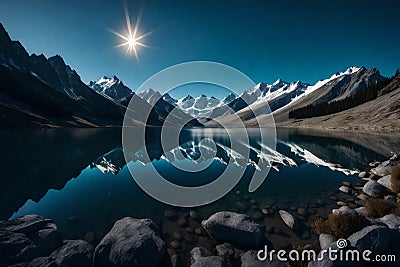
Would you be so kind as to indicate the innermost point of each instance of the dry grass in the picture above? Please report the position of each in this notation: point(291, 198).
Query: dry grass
point(377, 208)
point(340, 225)
point(396, 178)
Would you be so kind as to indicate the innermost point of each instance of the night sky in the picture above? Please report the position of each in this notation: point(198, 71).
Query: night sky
point(293, 40)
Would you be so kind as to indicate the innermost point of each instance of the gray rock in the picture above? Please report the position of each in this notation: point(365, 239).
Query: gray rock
point(362, 174)
point(199, 252)
point(344, 209)
point(43, 262)
point(41, 231)
point(392, 221)
point(226, 251)
point(235, 228)
point(48, 239)
point(28, 224)
point(345, 189)
point(325, 240)
point(386, 181)
point(131, 242)
point(382, 169)
point(201, 257)
point(16, 247)
point(288, 219)
point(371, 187)
point(374, 237)
point(74, 253)
point(361, 211)
point(250, 259)
point(362, 196)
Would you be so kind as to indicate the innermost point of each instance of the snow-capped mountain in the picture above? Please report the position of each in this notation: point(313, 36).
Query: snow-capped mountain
point(339, 86)
point(111, 87)
point(282, 96)
point(198, 107)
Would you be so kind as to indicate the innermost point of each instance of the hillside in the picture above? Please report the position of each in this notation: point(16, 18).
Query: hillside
point(381, 114)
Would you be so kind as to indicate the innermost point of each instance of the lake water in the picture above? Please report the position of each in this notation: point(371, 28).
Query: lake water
point(79, 178)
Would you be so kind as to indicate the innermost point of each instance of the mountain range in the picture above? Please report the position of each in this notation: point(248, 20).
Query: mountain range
point(45, 92)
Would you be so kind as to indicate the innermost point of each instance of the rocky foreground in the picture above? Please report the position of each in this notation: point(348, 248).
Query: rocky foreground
point(370, 222)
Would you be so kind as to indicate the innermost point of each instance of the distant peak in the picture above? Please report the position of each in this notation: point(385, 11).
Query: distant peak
point(279, 81)
point(203, 95)
point(115, 78)
point(354, 69)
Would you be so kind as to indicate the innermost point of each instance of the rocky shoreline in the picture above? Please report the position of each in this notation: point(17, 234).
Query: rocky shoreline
point(225, 238)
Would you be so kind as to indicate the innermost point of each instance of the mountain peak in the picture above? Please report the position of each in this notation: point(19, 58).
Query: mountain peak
point(279, 81)
point(4, 37)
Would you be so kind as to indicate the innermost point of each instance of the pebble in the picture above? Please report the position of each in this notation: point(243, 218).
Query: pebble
point(265, 211)
point(348, 184)
point(362, 174)
point(194, 215)
point(175, 244)
point(341, 203)
point(198, 231)
point(182, 221)
point(302, 212)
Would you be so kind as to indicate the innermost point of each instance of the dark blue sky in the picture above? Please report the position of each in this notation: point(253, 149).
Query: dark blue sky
point(295, 40)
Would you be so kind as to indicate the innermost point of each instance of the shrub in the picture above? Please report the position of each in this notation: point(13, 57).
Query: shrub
point(396, 178)
point(377, 208)
point(340, 225)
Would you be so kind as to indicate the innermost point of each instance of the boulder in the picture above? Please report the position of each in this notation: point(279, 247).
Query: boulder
point(16, 247)
point(28, 224)
point(325, 240)
point(374, 237)
point(201, 257)
point(288, 219)
point(41, 231)
point(250, 259)
point(371, 188)
point(235, 228)
point(392, 221)
point(382, 169)
point(74, 253)
point(131, 242)
point(386, 181)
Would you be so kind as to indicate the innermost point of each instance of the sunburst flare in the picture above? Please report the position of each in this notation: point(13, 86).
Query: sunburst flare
point(132, 39)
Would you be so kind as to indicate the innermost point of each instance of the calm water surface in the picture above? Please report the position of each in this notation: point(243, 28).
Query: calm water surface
point(79, 177)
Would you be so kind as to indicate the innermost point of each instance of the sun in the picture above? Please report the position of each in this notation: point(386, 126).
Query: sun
point(132, 40)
